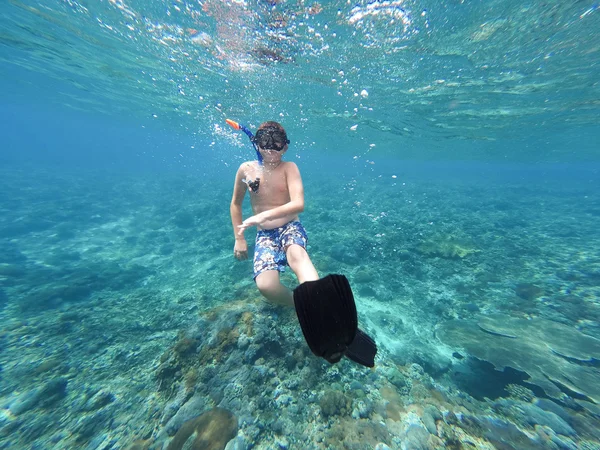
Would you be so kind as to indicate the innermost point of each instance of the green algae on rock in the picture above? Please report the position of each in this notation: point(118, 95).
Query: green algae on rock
point(446, 247)
point(556, 357)
point(334, 403)
point(528, 291)
point(210, 431)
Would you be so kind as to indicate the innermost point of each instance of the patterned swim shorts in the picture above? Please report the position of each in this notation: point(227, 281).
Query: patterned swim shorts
point(270, 247)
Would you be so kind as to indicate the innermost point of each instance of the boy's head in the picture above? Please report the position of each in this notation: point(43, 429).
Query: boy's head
point(271, 136)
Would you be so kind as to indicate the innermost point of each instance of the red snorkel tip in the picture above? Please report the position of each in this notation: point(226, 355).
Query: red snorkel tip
point(232, 124)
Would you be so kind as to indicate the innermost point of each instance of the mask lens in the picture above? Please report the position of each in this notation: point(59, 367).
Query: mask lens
point(271, 139)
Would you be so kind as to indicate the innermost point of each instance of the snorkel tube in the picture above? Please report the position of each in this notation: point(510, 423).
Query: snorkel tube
point(238, 126)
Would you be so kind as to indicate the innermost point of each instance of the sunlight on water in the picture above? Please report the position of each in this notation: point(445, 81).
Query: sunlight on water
point(455, 70)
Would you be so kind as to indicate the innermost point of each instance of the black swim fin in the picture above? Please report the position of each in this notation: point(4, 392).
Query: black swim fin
point(327, 315)
point(363, 349)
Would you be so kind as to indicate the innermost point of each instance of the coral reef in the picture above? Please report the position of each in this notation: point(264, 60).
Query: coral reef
point(334, 403)
point(552, 354)
point(127, 289)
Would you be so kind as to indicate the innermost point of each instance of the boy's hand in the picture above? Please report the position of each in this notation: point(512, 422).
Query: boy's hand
point(252, 221)
point(240, 249)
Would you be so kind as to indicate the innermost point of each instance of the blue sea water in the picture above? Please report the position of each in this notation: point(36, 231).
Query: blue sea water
point(450, 158)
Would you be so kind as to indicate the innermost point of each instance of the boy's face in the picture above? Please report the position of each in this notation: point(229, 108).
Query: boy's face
point(272, 156)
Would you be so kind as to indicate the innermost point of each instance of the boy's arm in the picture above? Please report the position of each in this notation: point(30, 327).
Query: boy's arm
point(235, 209)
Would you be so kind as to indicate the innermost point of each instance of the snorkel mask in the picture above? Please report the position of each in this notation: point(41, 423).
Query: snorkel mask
point(271, 138)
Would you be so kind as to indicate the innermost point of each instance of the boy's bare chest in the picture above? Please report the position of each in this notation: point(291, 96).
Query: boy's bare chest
point(273, 189)
point(274, 184)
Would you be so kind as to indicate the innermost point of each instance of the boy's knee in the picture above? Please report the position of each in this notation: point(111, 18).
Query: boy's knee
point(265, 289)
point(267, 285)
point(271, 288)
point(296, 254)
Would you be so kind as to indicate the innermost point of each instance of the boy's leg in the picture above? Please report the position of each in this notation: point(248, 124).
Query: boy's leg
point(300, 263)
point(271, 288)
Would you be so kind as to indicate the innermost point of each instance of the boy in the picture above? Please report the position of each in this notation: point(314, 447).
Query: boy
point(325, 307)
point(277, 198)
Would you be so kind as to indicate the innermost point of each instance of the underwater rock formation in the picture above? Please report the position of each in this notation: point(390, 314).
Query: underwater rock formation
point(43, 396)
point(210, 431)
point(446, 247)
point(556, 357)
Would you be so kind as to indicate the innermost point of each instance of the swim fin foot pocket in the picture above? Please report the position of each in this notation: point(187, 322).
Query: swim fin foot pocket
point(327, 314)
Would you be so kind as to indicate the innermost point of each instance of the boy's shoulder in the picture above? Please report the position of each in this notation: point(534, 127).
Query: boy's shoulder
point(290, 165)
point(247, 164)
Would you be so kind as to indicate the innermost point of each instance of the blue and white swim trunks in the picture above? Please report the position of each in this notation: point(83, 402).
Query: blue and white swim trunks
point(270, 247)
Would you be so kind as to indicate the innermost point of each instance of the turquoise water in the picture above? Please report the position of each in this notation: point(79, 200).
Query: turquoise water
point(450, 160)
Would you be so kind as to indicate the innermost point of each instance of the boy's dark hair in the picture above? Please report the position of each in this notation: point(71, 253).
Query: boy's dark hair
point(272, 124)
